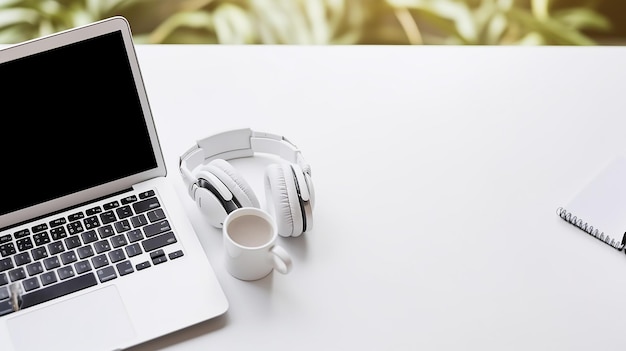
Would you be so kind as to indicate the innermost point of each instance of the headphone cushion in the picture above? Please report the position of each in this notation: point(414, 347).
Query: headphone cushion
point(210, 206)
point(280, 190)
point(239, 187)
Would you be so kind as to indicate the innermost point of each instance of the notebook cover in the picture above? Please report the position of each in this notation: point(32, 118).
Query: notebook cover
point(600, 207)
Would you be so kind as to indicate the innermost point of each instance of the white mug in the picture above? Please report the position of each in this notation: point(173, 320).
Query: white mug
point(250, 236)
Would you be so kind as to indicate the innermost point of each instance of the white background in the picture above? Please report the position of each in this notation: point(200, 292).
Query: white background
point(438, 172)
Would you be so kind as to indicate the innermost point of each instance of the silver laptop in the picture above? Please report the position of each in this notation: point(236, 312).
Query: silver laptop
point(95, 250)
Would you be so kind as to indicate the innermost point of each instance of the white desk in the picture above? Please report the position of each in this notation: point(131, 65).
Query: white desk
point(438, 171)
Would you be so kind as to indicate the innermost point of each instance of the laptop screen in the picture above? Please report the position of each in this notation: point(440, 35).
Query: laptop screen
point(71, 120)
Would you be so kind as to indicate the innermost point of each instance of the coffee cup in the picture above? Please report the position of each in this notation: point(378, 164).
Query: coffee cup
point(250, 236)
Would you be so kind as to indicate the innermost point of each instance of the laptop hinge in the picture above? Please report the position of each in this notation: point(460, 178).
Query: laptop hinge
point(65, 209)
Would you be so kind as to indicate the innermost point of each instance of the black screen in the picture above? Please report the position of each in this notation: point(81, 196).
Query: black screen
point(71, 119)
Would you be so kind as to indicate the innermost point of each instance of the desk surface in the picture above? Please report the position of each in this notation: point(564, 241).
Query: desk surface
point(438, 171)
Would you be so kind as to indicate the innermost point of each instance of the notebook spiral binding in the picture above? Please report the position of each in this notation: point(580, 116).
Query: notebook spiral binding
point(589, 229)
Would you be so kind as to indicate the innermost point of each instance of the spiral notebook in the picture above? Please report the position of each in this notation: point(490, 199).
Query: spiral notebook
point(600, 207)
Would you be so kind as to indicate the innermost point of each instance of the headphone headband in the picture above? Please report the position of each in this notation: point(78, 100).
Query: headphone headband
point(235, 144)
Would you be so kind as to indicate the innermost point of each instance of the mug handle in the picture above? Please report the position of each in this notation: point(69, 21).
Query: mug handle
point(282, 260)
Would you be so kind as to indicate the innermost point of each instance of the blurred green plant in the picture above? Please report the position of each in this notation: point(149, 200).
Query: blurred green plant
point(26, 19)
point(460, 22)
point(493, 22)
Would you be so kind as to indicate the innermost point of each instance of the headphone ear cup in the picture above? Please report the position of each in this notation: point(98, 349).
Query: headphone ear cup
point(309, 184)
point(237, 185)
point(282, 197)
point(210, 206)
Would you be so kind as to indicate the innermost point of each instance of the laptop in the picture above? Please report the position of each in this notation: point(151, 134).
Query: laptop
point(96, 252)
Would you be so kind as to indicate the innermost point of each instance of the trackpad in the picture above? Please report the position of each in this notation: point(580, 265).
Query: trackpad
point(97, 320)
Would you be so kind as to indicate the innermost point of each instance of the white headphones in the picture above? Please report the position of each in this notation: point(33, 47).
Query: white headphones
point(218, 189)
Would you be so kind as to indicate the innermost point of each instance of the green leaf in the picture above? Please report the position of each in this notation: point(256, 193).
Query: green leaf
point(532, 38)
point(232, 25)
point(316, 16)
point(193, 19)
point(9, 3)
point(496, 28)
point(583, 18)
point(439, 11)
point(16, 33)
point(13, 16)
point(551, 29)
point(540, 8)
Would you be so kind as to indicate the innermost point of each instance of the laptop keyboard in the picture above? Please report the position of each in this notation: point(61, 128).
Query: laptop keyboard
point(62, 255)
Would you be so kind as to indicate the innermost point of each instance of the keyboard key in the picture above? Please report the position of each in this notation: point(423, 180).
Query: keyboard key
point(39, 253)
point(93, 211)
point(107, 217)
point(158, 241)
point(85, 251)
point(139, 221)
point(124, 212)
point(176, 254)
point(4, 293)
point(134, 235)
point(159, 260)
point(30, 284)
point(89, 237)
point(55, 247)
point(58, 233)
point(106, 231)
point(7, 249)
point(111, 205)
point(157, 253)
point(5, 307)
point(146, 194)
point(146, 205)
point(158, 257)
point(41, 238)
point(82, 267)
point(68, 257)
point(21, 233)
point(6, 264)
point(142, 265)
point(99, 261)
point(5, 238)
point(107, 273)
point(72, 242)
point(21, 258)
point(91, 222)
point(65, 272)
point(122, 226)
point(124, 268)
point(156, 215)
point(51, 262)
point(133, 250)
point(34, 268)
point(48, 278)
point(129, 199)
point(24, 244)
point(75, 216)
point(57, 290)
point(118, 241)
point(4, 280)
point(57, 222)
point(102, 246)
point(75, 227)
point(39, 228)
point(157, 228)
point(116, 255)
point(17, 274)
